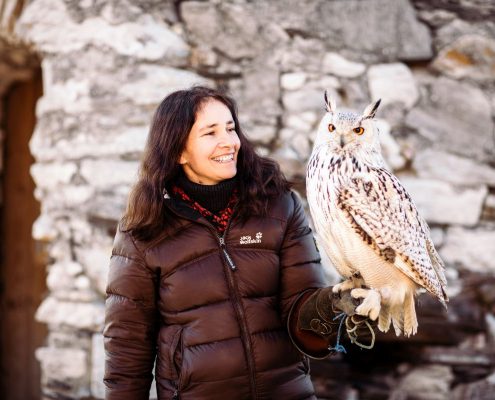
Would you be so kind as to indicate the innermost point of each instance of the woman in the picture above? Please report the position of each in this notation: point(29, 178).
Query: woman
point(214, 269)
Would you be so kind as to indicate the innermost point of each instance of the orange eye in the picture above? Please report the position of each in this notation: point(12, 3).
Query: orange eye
point(359, 130)
point(331, 127)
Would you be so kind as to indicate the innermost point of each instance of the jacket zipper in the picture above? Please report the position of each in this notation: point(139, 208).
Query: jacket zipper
point(179, 347)
point(226, 255)
point(238, 308)
point(231, 268)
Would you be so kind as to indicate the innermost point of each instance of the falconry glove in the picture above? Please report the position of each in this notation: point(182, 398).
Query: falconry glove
point(318, 312)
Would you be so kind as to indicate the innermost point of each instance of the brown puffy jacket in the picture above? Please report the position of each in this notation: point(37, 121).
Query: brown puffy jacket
point(213, 310)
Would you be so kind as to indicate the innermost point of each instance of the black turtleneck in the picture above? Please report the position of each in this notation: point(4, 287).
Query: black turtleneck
point(212, 197)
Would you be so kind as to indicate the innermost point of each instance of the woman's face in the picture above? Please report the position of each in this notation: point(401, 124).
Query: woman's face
point(210, 154)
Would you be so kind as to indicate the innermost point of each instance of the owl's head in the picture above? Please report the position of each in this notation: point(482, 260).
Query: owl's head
point(347, 132)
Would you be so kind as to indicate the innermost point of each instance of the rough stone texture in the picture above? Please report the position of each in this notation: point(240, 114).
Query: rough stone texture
point(451, 168)
point(106, 65)
point(107, 173)
point(390, 28)
point(97, 366)
point(455, 29)
point(430, 382)
point(154, 82)
point(128, 141)
point(441, 203)
point(393, 83)
point(457, 118)
point(67, 282)
point(56, 313)
point(470, 249)
point(145, 38)
point(292, 80)
point(64, 371)
point(232, 29)
point(470, 56)
point(51, 175)
point(390, 148)
point(305, 99)
point(260, 90)
point(94, 257)
point(470, 10)
point(335, 64)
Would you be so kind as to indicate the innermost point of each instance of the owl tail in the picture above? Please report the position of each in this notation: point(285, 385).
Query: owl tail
point(396, 314)
point(384, 319)
point(410, 320)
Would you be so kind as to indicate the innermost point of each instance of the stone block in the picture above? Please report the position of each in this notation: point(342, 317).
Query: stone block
point(89, 316)
point(428, 382)
point(392, 83)
point(334, 63)
point(64, 371)
point(470, 56)
point(457, 119)
point(50, 175)
point(441, 165)
point(231, 28)
point(304, 99)
point(128, 141)
point(472, 250)
point(292, 80)
point(155, 82)
point(106, 173)
point(145, 38)
point(391, 150)
point(442, 203)
point(95, 257)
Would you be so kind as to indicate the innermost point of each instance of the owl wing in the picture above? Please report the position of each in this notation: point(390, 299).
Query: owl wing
point(381, 211)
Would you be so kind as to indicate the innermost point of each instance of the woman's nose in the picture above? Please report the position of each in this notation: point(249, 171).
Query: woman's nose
point(226, 140)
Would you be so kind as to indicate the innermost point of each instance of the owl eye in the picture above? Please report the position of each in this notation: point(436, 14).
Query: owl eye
point(331, 127)
point(359, 130)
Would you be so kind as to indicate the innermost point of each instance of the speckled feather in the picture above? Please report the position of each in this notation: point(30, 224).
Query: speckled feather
point(360, 210)
point(380, 209)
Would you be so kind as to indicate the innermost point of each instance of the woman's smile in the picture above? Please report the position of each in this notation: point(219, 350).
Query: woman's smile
point(224, 158)
point(210, 154)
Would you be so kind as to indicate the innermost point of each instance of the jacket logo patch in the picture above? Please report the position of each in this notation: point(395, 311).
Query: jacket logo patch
point(249, 240)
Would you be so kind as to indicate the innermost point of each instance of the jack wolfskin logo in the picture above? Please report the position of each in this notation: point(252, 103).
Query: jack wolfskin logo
point(249, 240)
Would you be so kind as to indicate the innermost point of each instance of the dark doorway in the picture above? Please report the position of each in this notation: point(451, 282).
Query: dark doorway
point(22, 271)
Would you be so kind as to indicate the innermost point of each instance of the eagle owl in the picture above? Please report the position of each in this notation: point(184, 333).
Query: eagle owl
point(368, 224)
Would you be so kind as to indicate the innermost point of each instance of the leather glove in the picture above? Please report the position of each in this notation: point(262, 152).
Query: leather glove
point(319, 310)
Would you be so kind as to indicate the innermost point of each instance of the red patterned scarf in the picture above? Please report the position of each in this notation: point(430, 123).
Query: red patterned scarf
point(219, 220)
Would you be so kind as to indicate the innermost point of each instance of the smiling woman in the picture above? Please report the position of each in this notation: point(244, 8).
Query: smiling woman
point(210, 155)
point(212, 261)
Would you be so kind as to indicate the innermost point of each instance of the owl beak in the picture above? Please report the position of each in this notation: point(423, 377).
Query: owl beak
point(342, 141)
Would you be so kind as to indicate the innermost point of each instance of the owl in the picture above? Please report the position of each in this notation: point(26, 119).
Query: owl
point(368, 224)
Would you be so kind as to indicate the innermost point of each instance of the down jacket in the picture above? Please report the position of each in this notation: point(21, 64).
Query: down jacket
point(212, 309)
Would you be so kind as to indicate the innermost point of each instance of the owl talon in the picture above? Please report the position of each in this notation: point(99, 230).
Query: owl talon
point(370, 307)
point(343, 286)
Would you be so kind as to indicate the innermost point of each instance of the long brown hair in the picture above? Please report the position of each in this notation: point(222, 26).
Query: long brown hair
point(259, 177)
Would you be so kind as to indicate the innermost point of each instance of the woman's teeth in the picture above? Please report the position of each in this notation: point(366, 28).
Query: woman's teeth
point(224, 159)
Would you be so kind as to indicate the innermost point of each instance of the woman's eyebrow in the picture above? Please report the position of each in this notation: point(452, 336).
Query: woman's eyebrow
point(213, 125)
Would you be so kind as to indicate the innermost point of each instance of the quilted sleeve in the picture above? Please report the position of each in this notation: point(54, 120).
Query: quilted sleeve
point(130, 322)
point(301, 273)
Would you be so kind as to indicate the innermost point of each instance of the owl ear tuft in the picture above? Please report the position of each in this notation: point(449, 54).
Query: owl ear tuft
point(330, 104)
point(370, 110)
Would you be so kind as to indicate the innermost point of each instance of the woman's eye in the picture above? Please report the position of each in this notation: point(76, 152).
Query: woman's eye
point(208, 133)
point(231, 130)
point(359, 130)
point(331, 127)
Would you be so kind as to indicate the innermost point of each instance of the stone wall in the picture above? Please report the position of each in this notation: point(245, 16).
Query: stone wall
point(106, 65)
